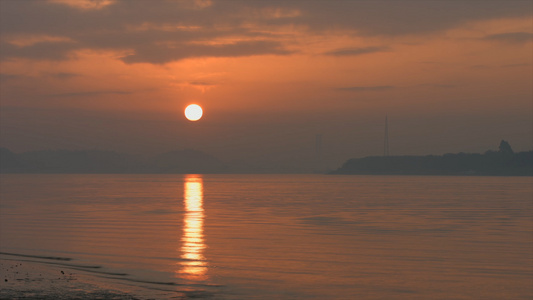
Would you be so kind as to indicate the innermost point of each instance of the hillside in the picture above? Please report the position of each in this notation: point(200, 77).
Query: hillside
point(97, 161)
point(495, 163)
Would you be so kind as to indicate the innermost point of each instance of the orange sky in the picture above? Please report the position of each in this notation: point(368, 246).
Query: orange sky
point(116, 75)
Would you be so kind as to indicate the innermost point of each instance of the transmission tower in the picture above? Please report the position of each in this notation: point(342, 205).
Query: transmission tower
point(386, 142)
point(318, 149)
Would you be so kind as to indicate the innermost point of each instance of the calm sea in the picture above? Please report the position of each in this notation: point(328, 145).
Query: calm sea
point(280, 236)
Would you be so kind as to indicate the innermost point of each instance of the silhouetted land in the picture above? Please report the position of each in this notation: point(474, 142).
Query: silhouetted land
point(495, 163)
point(503, 162)
point(96, 161)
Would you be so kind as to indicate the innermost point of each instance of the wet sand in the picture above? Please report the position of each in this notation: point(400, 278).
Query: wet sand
point(23, 279)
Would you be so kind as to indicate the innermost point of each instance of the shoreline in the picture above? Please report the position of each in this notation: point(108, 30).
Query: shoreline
point(26, 279)
point(47, 277)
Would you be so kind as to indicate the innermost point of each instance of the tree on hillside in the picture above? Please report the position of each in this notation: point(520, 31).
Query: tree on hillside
point(505, 148)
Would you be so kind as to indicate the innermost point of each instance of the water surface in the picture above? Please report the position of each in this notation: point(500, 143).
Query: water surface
point(280, 236)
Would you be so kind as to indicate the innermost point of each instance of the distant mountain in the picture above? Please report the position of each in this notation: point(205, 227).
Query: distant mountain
point(9, 161)
point(501, 163)
point(186, 161)
point(66, 161)
point(97, 161)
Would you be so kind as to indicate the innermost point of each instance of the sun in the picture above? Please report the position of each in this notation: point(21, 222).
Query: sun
point(193, 112)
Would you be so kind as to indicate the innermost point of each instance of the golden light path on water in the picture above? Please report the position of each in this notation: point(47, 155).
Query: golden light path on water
point(193, 264)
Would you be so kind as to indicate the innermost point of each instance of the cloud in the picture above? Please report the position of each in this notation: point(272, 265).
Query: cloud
point(516, 65)
point(88, 94)
point(5, 77)
point(439, 85)
point(163, 31)
point(404, 17)
point(511, 37)
point(59, 75)
point(479, 67)
point(355, 51)
point(41, 51)
point(164, 54)
point(201, 83)
point(377, 88)
point(84, 4)
point(63, 75)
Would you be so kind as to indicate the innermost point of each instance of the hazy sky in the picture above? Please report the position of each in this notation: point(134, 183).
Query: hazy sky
point(452, 76)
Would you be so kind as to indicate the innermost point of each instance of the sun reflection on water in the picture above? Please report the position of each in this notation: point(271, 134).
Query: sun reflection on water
point(193, 264)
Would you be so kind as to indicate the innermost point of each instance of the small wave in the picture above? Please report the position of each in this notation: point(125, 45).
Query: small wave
point(72, 266)
point(51, 260)
point(37, 256)
point(175, 283)
point(205, 285)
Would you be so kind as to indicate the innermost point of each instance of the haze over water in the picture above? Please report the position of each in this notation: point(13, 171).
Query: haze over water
point(280, 236)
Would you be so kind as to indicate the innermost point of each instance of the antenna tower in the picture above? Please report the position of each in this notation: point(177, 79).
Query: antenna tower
point(318, 149)
point(386, 142)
